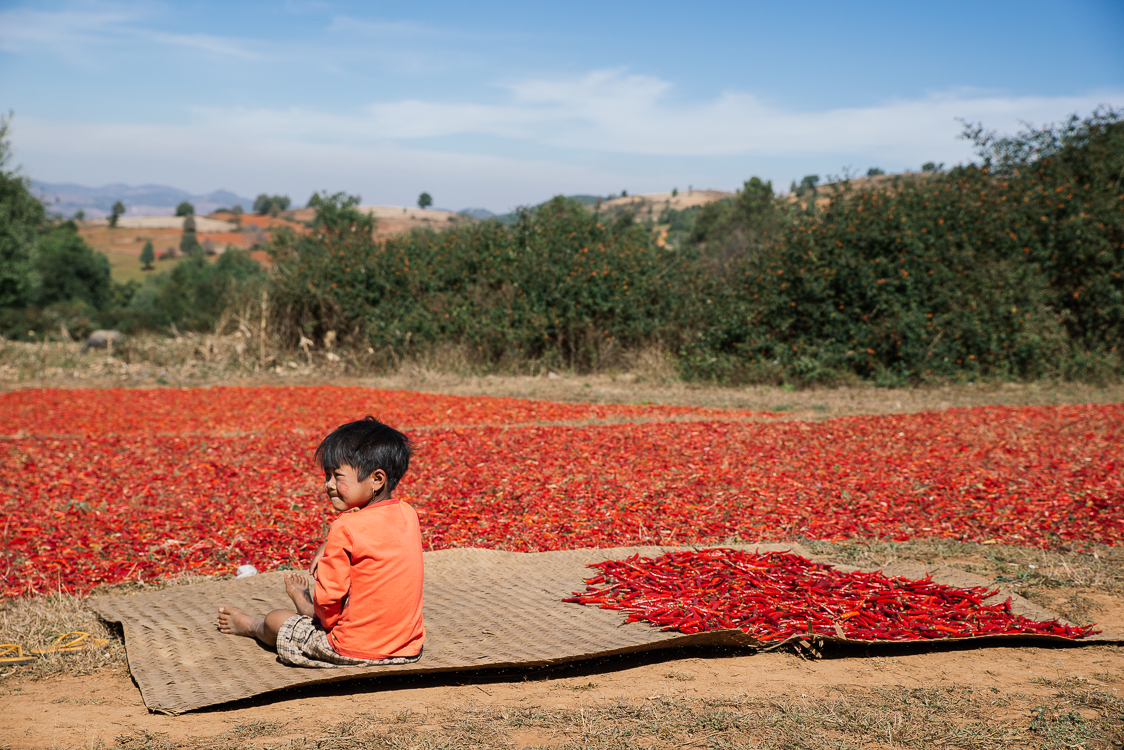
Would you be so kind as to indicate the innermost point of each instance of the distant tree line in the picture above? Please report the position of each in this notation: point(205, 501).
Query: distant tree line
point(1011, 267)
point(52, 281)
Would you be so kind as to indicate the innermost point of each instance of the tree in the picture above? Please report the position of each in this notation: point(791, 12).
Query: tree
point(189, 243)
point(185, 209)
point(148, 254)
point(79, 215)
point(741, 227)
point(271, 205)
point(874, 172)
point(236, 209)
point(425, 200)
point(41, 262)
point(674, 192)
point(931, 166)
point(808, 184)
point(22, 219)
point(70, 270)
point(117, 212)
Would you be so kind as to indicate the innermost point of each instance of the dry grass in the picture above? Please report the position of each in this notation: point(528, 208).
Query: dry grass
point(645, 376)
point(1059, 580)
point(1078, 714)
point(1020, 568)
point(154, 360)
point(35, 623)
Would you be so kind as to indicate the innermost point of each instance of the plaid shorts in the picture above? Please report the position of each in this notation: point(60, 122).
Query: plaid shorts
point(302, 642)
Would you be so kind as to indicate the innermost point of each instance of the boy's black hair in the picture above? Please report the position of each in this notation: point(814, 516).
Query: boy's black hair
point(367, 445)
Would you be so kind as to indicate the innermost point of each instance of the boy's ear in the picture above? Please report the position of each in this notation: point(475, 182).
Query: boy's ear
point(378, 476)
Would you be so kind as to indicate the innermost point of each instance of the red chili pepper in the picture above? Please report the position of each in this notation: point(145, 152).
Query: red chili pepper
point(896, 609)
point(144, 482)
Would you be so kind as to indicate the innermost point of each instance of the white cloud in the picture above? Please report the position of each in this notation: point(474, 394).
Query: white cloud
point(23, 30)
point(612, 111)
point(384, 30)
point(77, 34)
point(605, 130)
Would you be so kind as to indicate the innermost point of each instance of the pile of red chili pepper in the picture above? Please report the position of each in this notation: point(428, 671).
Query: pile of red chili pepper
point(105, 486)
point(777, 595)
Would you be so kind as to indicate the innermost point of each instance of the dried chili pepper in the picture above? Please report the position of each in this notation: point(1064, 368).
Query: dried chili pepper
point(151, 483)
point(871, 606)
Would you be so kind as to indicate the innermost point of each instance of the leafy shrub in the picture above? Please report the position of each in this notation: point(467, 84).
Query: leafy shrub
point(557, 285)
point(726, 229)
point(193, 295)
point(69, 269)
point(1012, 268)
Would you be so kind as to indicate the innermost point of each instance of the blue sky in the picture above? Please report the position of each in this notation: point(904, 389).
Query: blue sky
point(501, 104)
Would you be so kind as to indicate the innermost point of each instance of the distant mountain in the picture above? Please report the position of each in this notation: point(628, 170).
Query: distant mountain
point(141, 200)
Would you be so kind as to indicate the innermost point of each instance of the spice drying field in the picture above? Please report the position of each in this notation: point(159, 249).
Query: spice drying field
point(102, 487)
point(139, 486)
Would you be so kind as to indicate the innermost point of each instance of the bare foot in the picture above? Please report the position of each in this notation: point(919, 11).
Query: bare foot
point(296, 586)
point(236, 622)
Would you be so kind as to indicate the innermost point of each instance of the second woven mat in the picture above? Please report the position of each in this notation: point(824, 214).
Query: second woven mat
point(483, 609)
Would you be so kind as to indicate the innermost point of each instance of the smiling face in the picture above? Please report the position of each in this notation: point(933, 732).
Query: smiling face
point(346, 491)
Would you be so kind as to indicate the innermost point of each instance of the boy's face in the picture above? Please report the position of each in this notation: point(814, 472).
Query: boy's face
point(345, 491)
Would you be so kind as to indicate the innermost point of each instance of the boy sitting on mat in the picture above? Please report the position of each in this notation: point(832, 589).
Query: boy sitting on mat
point(367, 606)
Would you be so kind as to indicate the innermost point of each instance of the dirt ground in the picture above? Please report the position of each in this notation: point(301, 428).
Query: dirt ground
point(892, 696)
point(999, 689)
point(887, 697)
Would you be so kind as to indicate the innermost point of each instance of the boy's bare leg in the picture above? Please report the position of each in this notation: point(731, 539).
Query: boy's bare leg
point(236, 622)
point(296, 586)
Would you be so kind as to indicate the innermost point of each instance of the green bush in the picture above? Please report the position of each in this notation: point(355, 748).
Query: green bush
point(69, 269)
point(1011, 268)
point(557, 285)
point(48, 275)
point(196, 292)
point(738, 227)
point(22, 220)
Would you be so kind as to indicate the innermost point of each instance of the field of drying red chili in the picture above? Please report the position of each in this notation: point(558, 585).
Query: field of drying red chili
point(106, 486)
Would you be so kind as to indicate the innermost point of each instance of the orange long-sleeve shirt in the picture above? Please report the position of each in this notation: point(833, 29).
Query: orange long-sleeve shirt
point(369, 582)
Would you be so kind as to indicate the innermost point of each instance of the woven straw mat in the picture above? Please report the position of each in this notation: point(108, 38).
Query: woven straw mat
point(484, 609)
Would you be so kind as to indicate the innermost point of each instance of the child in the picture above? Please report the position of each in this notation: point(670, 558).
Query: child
point(367, 606)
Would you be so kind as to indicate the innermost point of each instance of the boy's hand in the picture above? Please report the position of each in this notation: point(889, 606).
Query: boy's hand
point(316, 559)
